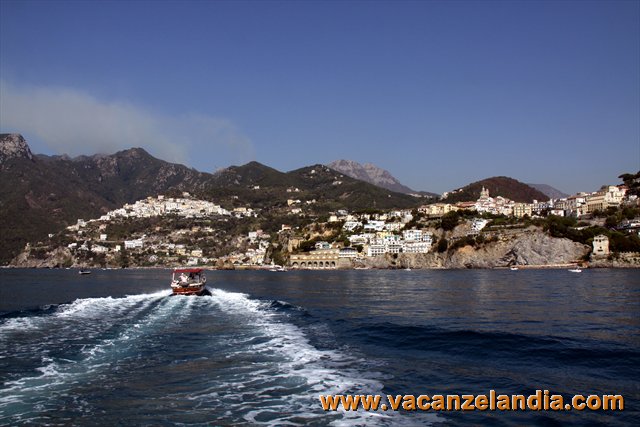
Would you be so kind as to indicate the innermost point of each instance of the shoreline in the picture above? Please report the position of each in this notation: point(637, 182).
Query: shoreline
point(269, 268)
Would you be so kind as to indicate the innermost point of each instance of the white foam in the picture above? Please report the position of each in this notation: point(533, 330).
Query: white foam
point(301, 364)
point(84, 308)
point(86, 319)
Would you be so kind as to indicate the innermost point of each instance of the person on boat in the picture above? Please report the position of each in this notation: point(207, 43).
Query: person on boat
point(183, 278)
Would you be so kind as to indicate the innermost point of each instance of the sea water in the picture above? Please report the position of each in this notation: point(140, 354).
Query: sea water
point(115, 348)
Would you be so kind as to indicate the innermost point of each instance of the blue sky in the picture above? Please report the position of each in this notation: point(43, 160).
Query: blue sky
point(440, 93)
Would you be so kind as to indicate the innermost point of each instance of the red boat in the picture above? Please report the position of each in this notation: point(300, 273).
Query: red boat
point(188, 281)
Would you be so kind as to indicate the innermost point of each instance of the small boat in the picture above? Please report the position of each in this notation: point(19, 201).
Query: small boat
point(575, 270)
point(513, 268)
point(277, 268)
point(188, 281)
point(407, 269)
point(84, 272)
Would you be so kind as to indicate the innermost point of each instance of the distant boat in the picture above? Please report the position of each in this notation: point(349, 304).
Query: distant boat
point(513, 268)
point(188, 281)
point(575, 270)
point(407, 269)
point(84, 272)
point(277, 268)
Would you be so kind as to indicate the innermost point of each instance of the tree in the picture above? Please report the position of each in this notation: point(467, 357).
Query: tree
point(450, 220)
point(632, 181)
point(442, 245)
point(611, 221)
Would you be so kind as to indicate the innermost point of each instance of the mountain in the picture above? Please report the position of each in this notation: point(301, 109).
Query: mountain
point(13, 146)
point(551, 192)
point(330, 189)
point(497, 186)
point(42, 194)
point(374, 175)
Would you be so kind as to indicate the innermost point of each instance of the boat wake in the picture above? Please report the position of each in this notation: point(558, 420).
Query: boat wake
point(149, 359)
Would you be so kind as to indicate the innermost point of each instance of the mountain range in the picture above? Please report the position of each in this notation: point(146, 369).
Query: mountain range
point(42, 194)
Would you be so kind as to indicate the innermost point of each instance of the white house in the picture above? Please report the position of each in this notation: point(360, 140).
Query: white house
point(133, 244)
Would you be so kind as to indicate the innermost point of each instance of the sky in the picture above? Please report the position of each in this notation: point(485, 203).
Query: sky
point(440, 93)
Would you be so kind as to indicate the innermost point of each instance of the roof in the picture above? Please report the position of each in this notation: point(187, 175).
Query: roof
point(187, 270)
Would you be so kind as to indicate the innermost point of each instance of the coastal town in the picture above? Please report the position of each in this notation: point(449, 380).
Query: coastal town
point(187, 231)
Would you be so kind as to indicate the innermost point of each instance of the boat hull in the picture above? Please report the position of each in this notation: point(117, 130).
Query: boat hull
point(190, 290)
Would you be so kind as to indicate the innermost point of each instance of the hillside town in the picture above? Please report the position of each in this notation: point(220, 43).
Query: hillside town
point(186, 231)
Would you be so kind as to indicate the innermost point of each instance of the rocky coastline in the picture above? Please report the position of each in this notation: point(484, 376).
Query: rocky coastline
point(530, 249)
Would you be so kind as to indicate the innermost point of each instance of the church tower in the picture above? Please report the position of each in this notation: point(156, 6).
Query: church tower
point(484, 194)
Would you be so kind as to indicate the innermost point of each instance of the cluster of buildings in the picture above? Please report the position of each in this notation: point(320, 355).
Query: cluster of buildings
point(158, 206)
point(577, 205)
point(379, 234)
point(185, 206)
point(368, 234)
point(587, 203)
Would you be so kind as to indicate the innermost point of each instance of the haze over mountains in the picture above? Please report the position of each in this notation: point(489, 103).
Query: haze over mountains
point(548, 190)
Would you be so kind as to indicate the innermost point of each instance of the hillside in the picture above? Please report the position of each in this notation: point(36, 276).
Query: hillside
point(42, 194)
point(497, 186)
point(334, 190)
point(374, 175)
point(238, 185)
point(370, 173)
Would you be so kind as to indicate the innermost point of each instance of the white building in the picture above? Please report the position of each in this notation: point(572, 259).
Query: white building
point(601, 245)
point(393, 226)
point(374, 225)
point(133, 244)
point(348, 253)
point(478, 224)
point(416, 247)
point(412, 235)
point(376, 249)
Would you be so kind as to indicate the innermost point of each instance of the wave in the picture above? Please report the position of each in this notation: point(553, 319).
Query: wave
point(42, 354)
point(235, 358)
point(287, 373)
point(479, 344)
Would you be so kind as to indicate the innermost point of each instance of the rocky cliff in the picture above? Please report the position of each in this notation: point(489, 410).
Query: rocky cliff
point(532, 247)
point(370, 173)
point(13, 146)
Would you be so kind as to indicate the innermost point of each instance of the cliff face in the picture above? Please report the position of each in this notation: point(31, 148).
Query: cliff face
point(59, 257)
point(533, 247)
point(13, 146)
point(370, 173)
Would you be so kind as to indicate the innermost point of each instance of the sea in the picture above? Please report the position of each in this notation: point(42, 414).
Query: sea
point(114, 348)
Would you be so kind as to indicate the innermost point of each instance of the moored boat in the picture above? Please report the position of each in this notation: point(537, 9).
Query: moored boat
point(84, 272)
point(188, 281)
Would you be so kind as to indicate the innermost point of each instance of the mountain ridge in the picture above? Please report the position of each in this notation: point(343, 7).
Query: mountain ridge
point(498, 186)
point(42, 194)
point(373, 174)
